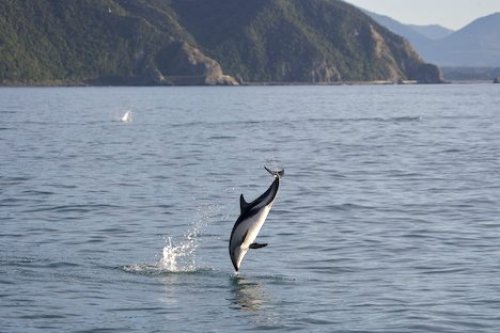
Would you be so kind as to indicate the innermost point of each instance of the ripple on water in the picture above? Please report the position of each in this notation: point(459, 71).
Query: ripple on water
point(158, 269)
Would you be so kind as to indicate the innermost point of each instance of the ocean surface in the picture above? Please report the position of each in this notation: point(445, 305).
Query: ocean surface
point(387, 220)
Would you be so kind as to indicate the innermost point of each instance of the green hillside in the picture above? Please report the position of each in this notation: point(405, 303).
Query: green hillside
point(198, 42)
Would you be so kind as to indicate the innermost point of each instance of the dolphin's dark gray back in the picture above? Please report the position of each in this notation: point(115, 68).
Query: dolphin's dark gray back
point(250, 208)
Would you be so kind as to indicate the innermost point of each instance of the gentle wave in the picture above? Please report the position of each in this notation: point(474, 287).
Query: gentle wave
point(71, 208)
point(395, 119)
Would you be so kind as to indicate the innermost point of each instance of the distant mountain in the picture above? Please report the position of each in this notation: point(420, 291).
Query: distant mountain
point(432, 31)
point(476, 45)
point(199, 42)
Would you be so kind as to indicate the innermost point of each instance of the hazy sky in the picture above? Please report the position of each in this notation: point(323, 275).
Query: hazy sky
point(453, 14)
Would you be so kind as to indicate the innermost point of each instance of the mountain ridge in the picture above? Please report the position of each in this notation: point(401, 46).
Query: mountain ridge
point(164, 42)
point(432, 31)
point(475, 45)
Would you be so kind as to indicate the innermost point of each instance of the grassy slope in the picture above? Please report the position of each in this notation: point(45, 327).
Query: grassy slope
point(48, 40)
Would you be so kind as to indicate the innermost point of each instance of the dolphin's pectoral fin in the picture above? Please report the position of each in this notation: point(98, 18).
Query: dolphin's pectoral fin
point(257, 245)
point(243, 204)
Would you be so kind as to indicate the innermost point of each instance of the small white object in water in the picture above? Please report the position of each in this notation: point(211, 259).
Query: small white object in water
point(127, 117)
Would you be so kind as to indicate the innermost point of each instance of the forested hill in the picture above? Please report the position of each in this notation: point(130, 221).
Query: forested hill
point(199, 42)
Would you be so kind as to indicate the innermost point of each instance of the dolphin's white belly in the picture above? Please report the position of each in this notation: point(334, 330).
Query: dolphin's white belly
point(253, 225)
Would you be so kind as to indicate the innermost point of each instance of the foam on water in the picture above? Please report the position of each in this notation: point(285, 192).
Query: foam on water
point(180, 258)
point(175, 259)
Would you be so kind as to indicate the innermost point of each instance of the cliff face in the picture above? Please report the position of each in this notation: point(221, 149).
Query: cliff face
point(199, 42)
point(187, 65)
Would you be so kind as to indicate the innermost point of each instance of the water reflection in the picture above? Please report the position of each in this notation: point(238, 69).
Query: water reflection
point(248, 295)
point(170, 290)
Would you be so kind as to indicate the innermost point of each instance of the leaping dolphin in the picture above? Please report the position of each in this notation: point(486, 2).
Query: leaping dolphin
point(252, 217)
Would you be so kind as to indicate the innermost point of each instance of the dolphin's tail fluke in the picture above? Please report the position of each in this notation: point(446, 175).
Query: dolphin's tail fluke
point(278, 173)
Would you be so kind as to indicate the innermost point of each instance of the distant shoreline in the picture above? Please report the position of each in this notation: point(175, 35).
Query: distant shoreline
point(62, 84)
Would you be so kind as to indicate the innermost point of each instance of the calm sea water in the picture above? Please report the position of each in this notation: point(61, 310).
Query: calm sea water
point(387, 220)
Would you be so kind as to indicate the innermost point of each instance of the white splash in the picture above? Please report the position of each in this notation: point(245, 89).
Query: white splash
point(127, 117)
point(182, 257)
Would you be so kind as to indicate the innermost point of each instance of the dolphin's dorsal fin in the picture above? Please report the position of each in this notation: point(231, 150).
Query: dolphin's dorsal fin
point(243, 204)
